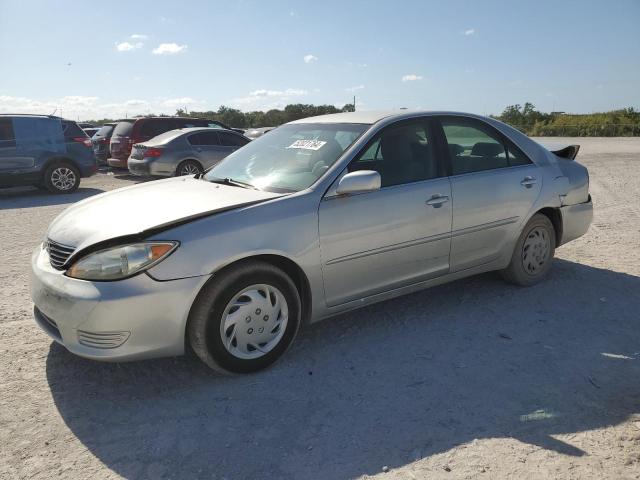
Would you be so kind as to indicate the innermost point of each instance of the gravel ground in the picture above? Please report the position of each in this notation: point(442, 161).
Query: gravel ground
point(471, 379)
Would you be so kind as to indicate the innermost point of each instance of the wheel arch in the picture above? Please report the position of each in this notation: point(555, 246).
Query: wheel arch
point(288, 266)
point(554, 215)
point(190, 159)
point(57, 159)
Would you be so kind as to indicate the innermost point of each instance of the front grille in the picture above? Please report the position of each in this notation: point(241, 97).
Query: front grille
point(102, 339)
point(58, 254)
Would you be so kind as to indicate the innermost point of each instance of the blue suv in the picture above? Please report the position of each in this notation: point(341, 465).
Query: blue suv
point(44, 151)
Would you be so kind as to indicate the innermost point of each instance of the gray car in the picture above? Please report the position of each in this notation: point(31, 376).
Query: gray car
point(185, 151)
point(320, 216)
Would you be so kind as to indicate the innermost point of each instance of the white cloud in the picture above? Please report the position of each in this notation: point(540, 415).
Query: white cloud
point(169, 49)
point(139, 36)
point(289, 92)
point(86, 108)
point(178, 102)
point(310, 58)
point(266, 99)
point(354, 89)
point(469, 32)
point(128, 46)
point(412, 77)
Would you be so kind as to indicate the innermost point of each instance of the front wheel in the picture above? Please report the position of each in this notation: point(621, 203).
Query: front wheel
point(533, 255)
point(246, 319)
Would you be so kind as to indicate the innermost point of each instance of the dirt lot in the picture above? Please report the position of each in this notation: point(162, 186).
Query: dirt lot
point(472, 379)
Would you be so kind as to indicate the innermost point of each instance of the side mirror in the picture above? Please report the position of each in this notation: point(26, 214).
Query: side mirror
point(358, 182)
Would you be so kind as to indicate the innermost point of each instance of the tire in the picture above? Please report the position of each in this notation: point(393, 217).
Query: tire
point(189, 167)
point(533, 255)
point(250, 327)
point(61, 177)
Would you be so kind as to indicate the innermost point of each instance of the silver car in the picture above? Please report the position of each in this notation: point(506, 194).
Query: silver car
point(320, 216)
point(184, 151)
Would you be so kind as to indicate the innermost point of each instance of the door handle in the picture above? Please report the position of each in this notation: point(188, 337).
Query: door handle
point(437, 200)
point(528, 182)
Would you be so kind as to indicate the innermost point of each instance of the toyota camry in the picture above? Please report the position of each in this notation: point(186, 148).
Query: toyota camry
point(320, 216)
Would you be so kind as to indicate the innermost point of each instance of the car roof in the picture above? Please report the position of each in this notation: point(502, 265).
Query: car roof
point(38, 115)
point(371, 117)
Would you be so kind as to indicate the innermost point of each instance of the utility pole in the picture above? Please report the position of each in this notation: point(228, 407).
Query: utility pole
point(354, 103)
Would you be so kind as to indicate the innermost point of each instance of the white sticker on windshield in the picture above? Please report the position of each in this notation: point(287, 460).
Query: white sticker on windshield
point(307, 144)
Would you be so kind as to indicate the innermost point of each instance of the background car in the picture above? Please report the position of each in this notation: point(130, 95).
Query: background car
point(183, 152)
point(253, 133)
point(84, 125)
point(44, 151)
point(129, 132)
point(101, 141)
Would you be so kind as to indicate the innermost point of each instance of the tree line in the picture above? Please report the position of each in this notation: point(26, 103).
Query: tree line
point(615, 123)
point(624, 122)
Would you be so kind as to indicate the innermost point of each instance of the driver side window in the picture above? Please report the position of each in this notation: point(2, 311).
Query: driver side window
point(400, 154)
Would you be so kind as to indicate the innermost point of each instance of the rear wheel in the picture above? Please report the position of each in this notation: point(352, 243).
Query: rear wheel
point(189, 167)
point(245, 320)
point(533, 255)
point(61, 177)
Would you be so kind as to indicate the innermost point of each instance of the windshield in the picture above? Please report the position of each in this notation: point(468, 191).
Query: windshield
point(290, 158)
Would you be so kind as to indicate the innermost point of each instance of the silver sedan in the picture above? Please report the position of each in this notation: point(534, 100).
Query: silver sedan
point(320, 216)
point(185, 151)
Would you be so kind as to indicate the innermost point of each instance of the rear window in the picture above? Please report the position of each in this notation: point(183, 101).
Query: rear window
point(166, 137)
point(105, 131)
point(72, 129)
point(123, 129)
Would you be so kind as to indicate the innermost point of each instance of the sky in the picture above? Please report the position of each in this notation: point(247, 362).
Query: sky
point(90, 60)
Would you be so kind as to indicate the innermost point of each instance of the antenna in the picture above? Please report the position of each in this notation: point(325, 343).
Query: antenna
point(54, 111)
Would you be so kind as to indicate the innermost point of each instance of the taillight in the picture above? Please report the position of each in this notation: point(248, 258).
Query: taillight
point(86, 141)
point(152, 152)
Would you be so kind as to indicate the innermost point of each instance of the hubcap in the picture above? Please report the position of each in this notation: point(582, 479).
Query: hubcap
point(535, 251)
point(63, 178)
point(189, 169)
point(254, 321)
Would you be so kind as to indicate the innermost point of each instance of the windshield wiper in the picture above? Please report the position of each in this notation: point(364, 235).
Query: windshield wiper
point(234, 183)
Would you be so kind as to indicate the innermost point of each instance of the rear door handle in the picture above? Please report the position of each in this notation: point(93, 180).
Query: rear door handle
point(437, 200)
point(528, 182)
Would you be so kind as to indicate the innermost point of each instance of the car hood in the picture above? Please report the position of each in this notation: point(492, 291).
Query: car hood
point(147, 207)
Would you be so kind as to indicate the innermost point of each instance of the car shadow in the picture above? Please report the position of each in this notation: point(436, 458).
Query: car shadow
point(384, 385)
point(29, 197)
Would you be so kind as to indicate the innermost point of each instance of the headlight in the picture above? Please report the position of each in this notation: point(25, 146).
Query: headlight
point(120, 262)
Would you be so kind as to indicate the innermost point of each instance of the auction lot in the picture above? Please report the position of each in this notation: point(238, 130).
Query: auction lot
point(476, 378)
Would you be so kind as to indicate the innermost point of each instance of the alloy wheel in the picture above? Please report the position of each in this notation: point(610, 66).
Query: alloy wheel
point(189, 169)
point(63, 178)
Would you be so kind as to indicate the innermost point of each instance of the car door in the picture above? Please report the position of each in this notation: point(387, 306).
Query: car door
point(395, 236)
point(206, 148)
point(493, 187)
